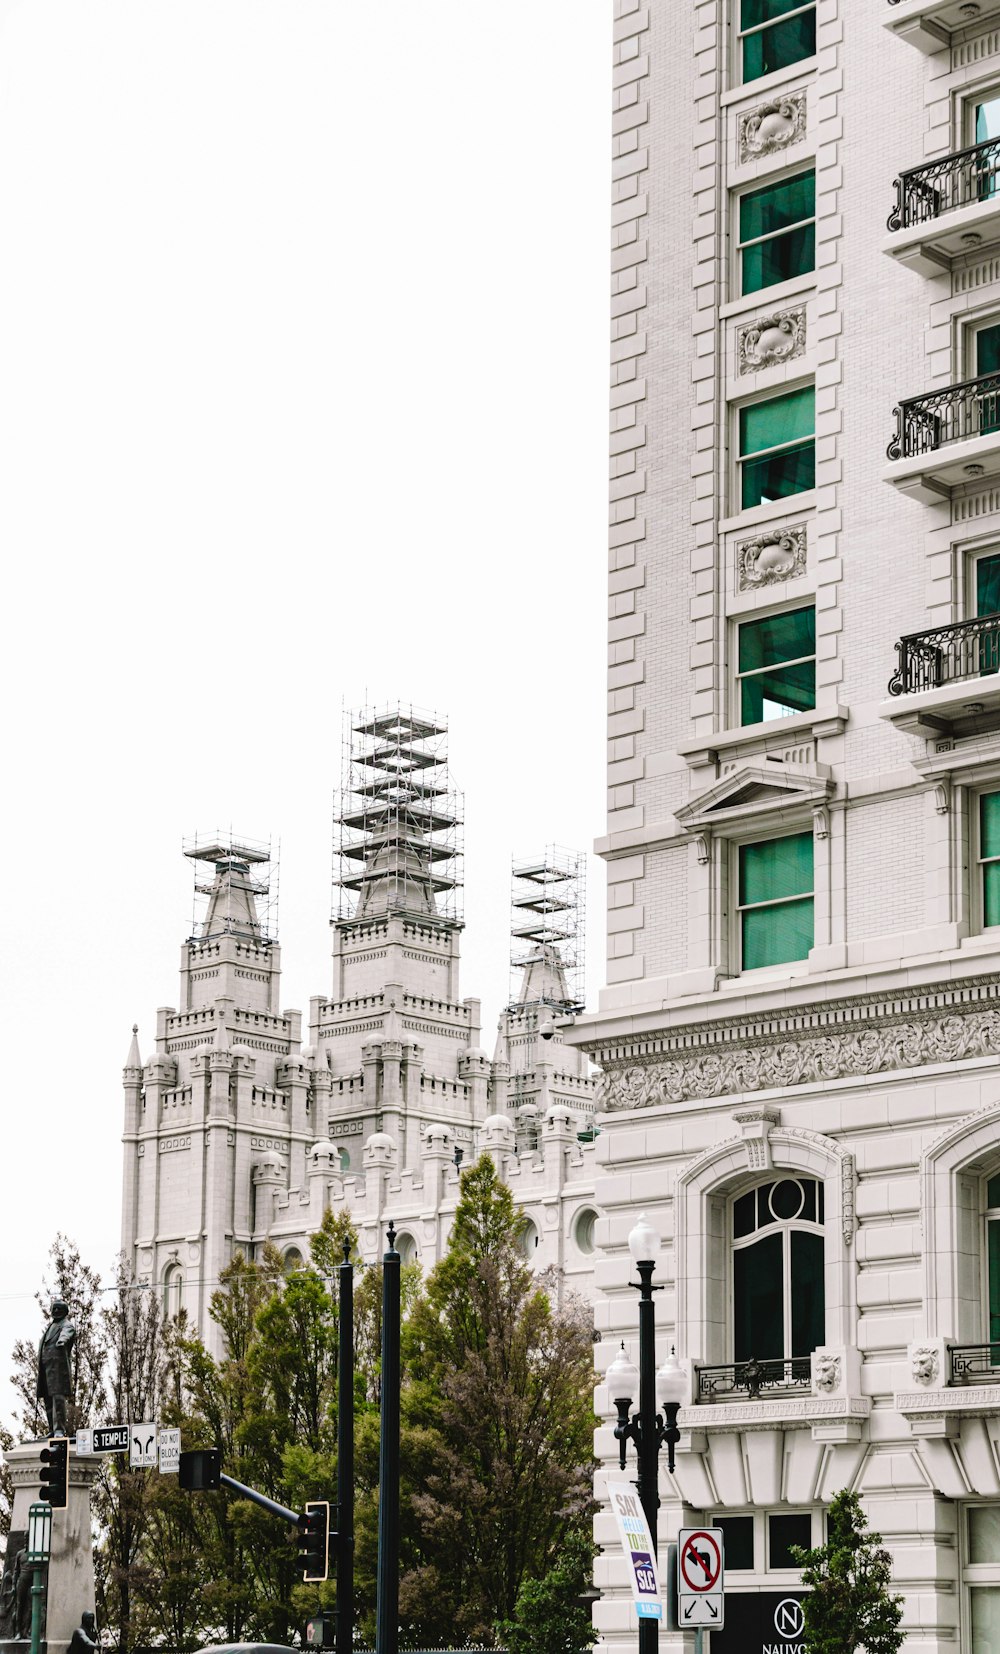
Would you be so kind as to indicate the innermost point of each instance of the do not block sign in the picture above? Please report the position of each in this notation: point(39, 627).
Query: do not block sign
point(700, 1584)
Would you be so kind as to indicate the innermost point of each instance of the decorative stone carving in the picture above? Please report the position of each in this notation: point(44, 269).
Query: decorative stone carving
point(777, 554)
point(772, 126)
point(826, 1372)
point(763, 343)
point(821, 822)
point(755, 1124)
point(703, 1067)
point(924, 1364)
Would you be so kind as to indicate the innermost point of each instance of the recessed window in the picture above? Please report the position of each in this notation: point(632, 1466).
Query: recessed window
point(293, 1260)
point(583, 1230)
point(778, 232)
point(777, 455)
point(785, 1531)
point(775, 901)
point(529, 1240)
point(406, 1246)
point(778, 1287)
point(993, 1268)
point(173, 1292)
point(737, 1541)
point(775, 33)
point(777, 665)
point(989, 856)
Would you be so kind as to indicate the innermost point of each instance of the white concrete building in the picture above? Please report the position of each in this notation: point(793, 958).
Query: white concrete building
point(800, 1033)
point(237, 1132)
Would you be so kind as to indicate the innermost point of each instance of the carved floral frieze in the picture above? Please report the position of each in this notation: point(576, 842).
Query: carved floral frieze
point(772, 126)
point(755, 1064)
point(769, 340)
point(778, 554)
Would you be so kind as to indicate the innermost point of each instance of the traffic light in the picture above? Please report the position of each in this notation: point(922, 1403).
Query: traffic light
point(200, 1471)
point(314, 1540)
point(52, 1476)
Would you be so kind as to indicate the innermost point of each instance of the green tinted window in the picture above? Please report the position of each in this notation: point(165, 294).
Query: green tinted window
point(779, 420)
point(988, 585)
point(775, 39)
point(775, 899)
point(993, 1192)
point(777, 666)
point(777, 232)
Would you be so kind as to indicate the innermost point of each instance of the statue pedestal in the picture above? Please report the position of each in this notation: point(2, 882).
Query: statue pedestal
point(71, 1564)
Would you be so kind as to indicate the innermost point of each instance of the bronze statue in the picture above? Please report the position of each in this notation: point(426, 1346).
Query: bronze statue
point(55, 1367)
point(85, 1638)
point(8, 1584)
point(24, 1578)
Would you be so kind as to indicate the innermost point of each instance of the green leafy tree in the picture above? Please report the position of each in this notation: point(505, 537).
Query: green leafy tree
point(551, 1614)
point(504, 1382)
point(850, 1605)
point(67, 1277)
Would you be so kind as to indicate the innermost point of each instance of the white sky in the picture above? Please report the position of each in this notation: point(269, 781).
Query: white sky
point(303, 368)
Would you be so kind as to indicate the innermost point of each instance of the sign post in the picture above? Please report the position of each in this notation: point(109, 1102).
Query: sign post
point(637, 1544)
point(700, 1581)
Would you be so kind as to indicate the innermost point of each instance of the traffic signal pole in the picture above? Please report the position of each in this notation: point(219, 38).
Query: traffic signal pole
point(260, 1499)
point(345, 1459)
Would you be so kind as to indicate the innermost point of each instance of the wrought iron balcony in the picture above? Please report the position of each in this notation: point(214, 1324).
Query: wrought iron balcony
point(946, 438)
point(946, 209)
point(752, 1378)
point(947, 654)
point(978, 1362)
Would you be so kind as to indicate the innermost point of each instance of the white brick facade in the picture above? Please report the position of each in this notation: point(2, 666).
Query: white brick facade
point(870, 1065)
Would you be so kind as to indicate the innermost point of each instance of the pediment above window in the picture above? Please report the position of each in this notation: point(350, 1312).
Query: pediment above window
point(755, 792)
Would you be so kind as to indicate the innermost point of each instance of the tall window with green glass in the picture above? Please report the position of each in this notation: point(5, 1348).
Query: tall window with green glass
point(987, 585)
point(777, 452)
point(993, 1266)
point(778, 232)
point(777, 665)
point(989, 855)
point(775, 907)
point(774, 34)
point(779, 1301)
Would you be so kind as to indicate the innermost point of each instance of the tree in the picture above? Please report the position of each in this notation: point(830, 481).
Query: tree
point(67, 1277)
point(505, 1383)
point(550, 1616)
point(850, 1605)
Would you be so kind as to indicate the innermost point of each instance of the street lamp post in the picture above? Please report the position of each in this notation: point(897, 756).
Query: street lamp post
point(387, 1587)
point(660, 1397)
point(38, 1551)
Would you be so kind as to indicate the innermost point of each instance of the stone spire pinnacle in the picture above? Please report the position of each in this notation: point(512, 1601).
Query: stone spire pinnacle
point(133, 1060)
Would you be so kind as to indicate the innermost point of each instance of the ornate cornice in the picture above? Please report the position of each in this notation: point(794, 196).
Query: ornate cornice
point(841, 1039)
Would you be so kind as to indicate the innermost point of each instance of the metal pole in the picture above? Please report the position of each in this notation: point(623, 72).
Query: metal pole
point(648, 1447)
point(37, 1593)
point(345, 1459)
point(698, 1640)
point(387, 1593)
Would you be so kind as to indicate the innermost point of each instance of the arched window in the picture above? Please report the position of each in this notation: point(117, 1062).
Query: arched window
point(173, 1292)
point(293, 1260)
point(779, 1299)
point(529, 1240)
point(406, 1246)
point(583, 1230)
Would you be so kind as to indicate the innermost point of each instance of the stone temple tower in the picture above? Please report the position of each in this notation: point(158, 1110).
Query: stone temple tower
point(400, 1045)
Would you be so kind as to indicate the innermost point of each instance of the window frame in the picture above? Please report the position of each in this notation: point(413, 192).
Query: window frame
point(782, 1226)
point(749, 618)
point(741, 34)
point(980, 861)
point(737, 908)
point(781, 505)
point(761, 1574)
point(173, 1291)
point(787, 176)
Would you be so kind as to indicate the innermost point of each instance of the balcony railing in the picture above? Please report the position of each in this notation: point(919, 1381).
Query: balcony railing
point(926, 423)
point(975, 1361)
point(960, 180)
point(751, 1377)
point(968, 649)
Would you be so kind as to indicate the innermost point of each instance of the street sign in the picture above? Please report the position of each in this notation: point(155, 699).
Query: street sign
point(142, 1445)
point(104, 1438)
point(700, 1599)
point(637, 1543)
point(168, 1448)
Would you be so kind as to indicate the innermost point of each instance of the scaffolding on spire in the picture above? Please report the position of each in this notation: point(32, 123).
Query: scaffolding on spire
point(548, 903)
point(242, 898)
point(397, 819)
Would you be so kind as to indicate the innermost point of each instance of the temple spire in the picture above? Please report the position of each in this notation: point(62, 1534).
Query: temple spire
point(133, 1060)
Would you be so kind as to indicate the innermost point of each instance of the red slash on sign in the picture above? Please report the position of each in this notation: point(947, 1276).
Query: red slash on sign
point(700, 1562)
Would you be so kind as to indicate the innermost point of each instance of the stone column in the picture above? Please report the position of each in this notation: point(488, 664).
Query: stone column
point(71, 1567)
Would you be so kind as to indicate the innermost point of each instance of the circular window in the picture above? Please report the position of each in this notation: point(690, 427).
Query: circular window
point(583, 1230)
point(787, 1199)
point(529, 1240)
point(406, 1246)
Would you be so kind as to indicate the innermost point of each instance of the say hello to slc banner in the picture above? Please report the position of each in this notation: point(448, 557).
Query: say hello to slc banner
point(637, 1543)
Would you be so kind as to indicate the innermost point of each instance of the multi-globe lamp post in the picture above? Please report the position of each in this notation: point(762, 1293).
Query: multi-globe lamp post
point(661, 1395)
